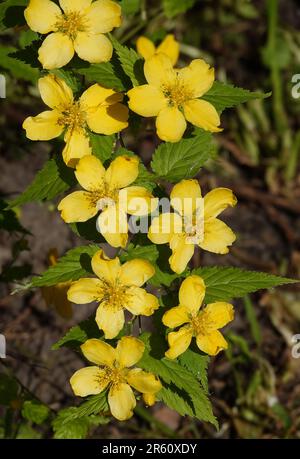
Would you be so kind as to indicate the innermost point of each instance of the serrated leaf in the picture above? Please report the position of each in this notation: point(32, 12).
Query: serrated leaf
point(131, 62)
point(102, 145)
point(74, 265)
point(11, 13)
point(35, 411)
point(109, 74)
point(130, 7)
point(53, 179)
point(15, 67)
point(225, 283)
point(78, 334)
point(148, 252)
point(174, 7)
point(197, 364)
point(182, 160)
point(223, 96)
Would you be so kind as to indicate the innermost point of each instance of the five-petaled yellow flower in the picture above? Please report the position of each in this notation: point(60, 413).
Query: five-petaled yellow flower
point(113, 370)
point(108, 191)
point(202, 324)
point(79, 26)
point(169, 46)
point(172, 96)
point(194, 222)
point(98, 109)
point(56, 295)
point(117, 288)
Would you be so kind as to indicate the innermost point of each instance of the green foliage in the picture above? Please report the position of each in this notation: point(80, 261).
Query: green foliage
point(147, 252)
point(17, 68)
point(182, 160)
point(223, 96)
point(72, 266)
point(8, 389)
point(197, 364)
point(53, 179)
point(131, 62)
point(79, 334)
point(225, 283)
point(102, 145)
point(9, 220)
point(109, 74)
point(11, 13)
point(130, 7)
point(35, 411)
point(174, 7)
point(69, 77)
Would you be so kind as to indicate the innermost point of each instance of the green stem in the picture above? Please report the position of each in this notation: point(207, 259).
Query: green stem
point(148, 417)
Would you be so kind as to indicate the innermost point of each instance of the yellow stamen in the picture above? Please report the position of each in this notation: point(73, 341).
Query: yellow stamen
point(72, 117)
point(177, 93)
point(71, 23)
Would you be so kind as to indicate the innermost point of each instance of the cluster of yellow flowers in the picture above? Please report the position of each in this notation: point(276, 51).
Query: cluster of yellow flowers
point(173, 96)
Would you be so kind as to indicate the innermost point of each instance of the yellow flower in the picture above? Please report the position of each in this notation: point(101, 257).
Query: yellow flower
point(108, 191)
point(202, 324)
point(173, 97)
point(113, 370)
point(193, 223)
point(118, 287)
point(169, 46)
point(79, 26)
point(56, 295)
point(98, 109)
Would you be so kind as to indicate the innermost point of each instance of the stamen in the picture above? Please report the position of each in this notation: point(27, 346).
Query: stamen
point(71, 23)
point(177, 93)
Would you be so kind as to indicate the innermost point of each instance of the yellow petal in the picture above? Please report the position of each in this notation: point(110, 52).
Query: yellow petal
point(42, 15)
point(88, 381)
point(186, 197)
point(103, 16)
point(137, 200)
point(219, 313)
point(170, 47)
point(217, 200)
point(90, 173)
point(74, 5)
point(202, 114)
point(56, 51)
point(179, 341)
point(149, 399)
point(140, 302)
point(109, 320)
point(198, 77)
point(146, 100)
point(136, 272)
point(121, 401)
point(129, 351)
point(85, 291)
point(182, 252)
point(159, 70)
point(170, 124)
point(217, 236)
point(55, 92)
point(43, 126)
point(77, 146)
point(175, 317)
point(77, 207)
point(192, 293)
point(145, 47)
point(97, 95)
point(164, 227)
point(112, 224)
point(211, 343)
point(99, 352)
point(93, 48)
point(108, 120)
point(144, 382)
point(105, 268)
point(122, 171)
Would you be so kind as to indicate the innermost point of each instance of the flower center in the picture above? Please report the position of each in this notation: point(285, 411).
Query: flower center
point(102, 198)
point(194, 229)
point(202, 324)
point(113, 375)
point(177, 93)
point(71, 23)
point(115, 295)
point(72, 117)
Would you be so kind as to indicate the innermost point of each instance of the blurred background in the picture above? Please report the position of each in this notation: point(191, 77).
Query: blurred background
point(255, 385)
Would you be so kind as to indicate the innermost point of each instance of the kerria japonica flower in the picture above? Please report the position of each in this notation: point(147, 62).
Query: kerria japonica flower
point(98, 110)
point(113, 371)
point(169, 46)
point(203, 324)
point(117, 288)
point(108, 191)
point(76, 26)
point(173, 96)
point(194, 223)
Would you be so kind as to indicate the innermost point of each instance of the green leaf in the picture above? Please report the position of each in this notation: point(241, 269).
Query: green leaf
point(131, 62)
point(12, 13)
point(9, 221)
point(15, 67)
point(69, 78)
point(78, 334)
point(197, 364)
point(223, 96)
point(53, 179)
point(182, 160)
point(109, 74)
point(74, 265)
point(102, 145)
point(130, 7)
point(147, 252)
point(35, 411)
point(225, 283)
point(174, 7)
